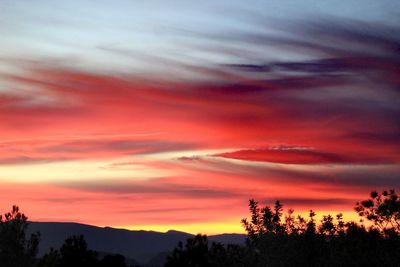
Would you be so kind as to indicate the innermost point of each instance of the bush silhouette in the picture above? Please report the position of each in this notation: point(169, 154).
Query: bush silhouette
point(193, 254)
point(383, 210)
point(75, 253)
point(275, 238)
point(197, 252)
point(331, 242)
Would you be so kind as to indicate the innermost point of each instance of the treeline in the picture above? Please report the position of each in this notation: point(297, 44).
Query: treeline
point(278, 239)
point(274, 238)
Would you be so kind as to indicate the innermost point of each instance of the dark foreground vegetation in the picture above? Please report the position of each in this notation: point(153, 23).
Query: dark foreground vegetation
point(277, 239)
point(274, 238)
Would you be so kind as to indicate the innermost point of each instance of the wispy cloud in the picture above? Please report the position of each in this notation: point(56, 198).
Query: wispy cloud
point(296, 155)
point(309, 114)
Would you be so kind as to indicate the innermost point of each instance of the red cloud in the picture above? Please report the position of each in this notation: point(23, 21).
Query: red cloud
point(294, 155)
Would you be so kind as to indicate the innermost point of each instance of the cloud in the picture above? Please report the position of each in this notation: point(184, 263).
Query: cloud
point(310, 116)
point(283, 180)
point(29, 160)
point(167, 187)
point(191, 158)
point(295, 155)
point(42, 150)
point(138, 146)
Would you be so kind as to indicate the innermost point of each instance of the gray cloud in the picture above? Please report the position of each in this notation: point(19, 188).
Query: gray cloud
point(154, 186)
point(127, 146)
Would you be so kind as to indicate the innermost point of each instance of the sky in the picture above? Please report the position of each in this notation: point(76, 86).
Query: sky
point(163, 115)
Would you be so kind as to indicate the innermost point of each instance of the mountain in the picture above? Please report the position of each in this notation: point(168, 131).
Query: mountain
point(142, 246)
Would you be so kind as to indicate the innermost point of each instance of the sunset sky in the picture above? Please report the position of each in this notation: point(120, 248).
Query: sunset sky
point(173, 114)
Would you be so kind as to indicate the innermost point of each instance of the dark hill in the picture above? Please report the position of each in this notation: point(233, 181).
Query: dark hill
point(139, 245)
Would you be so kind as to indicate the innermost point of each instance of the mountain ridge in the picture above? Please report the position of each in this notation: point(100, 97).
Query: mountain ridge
point(140, 245)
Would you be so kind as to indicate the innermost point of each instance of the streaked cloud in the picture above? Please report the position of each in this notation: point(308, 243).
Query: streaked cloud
point(296, 155)
point(308, 113)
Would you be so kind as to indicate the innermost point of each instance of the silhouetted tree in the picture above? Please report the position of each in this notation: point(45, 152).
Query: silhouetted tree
point(383, 210)
point(15, 249)
point(194, 254)
point(198, 253)
point(277, 240)
point(74, 252)
point(263, 221)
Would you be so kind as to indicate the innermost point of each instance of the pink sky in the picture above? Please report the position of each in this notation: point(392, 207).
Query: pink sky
point(188, 149)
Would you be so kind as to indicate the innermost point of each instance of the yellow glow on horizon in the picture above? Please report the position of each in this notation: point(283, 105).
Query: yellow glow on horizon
point(231, 226)
point(203, 228)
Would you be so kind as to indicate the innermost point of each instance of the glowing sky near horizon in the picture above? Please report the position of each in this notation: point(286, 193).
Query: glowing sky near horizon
point(156, 115)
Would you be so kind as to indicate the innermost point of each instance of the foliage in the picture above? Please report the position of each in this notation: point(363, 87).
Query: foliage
point(331, 242)
point(75, 252)
point(383, 210)
point(15, 249)
point(278, 239)
point(197, 252)
point(263, 221)
point(193, 254)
